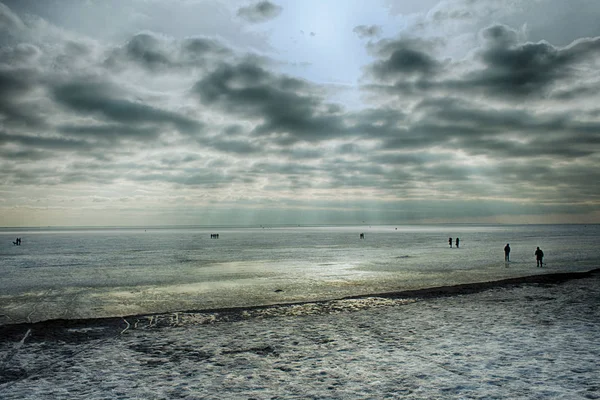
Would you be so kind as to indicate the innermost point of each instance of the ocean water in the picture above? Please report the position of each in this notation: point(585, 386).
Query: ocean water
point(84, 273)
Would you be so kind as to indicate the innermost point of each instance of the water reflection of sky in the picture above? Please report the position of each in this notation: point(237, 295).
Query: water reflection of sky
point(73, 274)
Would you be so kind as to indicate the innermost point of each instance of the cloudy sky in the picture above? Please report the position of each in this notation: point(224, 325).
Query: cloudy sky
point(148, 112)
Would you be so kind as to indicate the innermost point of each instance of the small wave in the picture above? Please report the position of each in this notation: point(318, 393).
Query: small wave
point(178, 319)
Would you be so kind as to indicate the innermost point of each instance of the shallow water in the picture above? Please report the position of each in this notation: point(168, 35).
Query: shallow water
point(82, 273)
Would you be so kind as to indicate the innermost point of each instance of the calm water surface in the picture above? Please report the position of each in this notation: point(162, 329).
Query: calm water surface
point(80, 273)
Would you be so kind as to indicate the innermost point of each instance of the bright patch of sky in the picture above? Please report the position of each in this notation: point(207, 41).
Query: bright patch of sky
point(126, 111)
point(316, 37)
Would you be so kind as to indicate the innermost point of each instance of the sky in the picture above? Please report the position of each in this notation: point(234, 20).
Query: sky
point(227, 112)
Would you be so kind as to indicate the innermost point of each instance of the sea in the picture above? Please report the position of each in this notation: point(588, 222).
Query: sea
point(74, 273)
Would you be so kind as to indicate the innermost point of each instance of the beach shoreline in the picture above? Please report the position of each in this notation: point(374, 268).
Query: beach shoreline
point(83, 275)
point(50, 327)
point(531, 337)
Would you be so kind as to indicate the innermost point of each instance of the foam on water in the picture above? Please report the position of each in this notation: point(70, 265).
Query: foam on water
point(81, 273)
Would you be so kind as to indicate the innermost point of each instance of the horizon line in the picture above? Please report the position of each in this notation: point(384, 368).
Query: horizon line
point(167, 226)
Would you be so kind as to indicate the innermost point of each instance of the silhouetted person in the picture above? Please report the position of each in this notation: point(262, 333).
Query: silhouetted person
point(362, 235)
point(507, 253)
point(450, 242)
point(539, 256)
point(457, 242)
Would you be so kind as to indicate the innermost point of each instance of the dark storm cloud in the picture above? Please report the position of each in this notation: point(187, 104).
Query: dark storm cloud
point(22, 114)
point(99, 98)
point(200, 47)
point(178, 159)
point(147, 50)
point(451, 123)
point(41, 175)
point(286, 106)
point(443, 15)
point(24, 155)
point(412, 158)
point(47, 143)
point(501, 67)
point(15, 85)
point(260, 12)
point(349, 148)
point(110, 132)
point(544, 175)
point(556, 21)
point(526, 69)
point(283, 168)
point(402, 58)
point(556, 149)
point(303, 153)
point(367, 31)
point(460, 113)
point(492, 122)
point(159, 54)
point(476, 107)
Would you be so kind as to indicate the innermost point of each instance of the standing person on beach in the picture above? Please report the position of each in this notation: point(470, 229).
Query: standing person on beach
point(507, 253)
point(450, 242)
point(539, 256)
point(457, 242)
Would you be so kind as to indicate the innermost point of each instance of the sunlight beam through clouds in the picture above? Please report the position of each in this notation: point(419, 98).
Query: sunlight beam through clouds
point(298, 112)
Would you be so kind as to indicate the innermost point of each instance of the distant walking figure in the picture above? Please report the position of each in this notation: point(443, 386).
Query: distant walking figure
point(539, 256)
point(362, 235)
point(450, 242)
point(507, 253)
point(17, 242)
point(457, 242)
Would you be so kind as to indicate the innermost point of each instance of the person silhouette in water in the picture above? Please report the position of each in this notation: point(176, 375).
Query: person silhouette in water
point(457, 242)
point(539, 256)
point(507, 253)
point(450, 242)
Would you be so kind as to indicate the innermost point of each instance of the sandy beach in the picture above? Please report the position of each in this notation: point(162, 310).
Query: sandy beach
point(524, 338)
